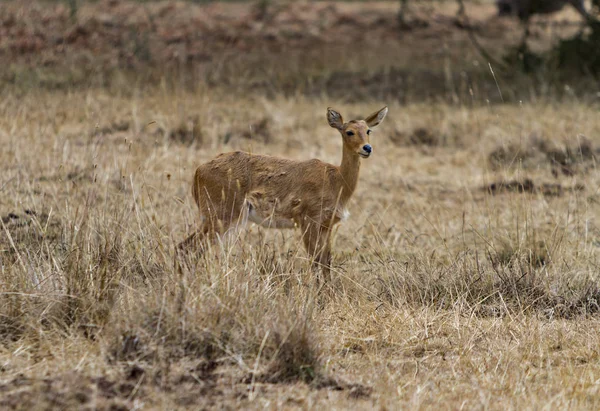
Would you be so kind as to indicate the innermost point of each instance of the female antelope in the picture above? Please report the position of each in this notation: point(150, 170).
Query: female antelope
point(279, 193)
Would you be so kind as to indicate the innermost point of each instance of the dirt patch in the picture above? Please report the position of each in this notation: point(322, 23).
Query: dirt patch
point(575, 156)
point(260, 130)
point(186, 384)
point(420, 136)
point(355, 391)
point(523, 186)
point(115, 127)
point(527, 185)
point(9, 218)
point(26, 230)
point(572, 158)
point(67, 391)
point(187, 132)
point(76, 175)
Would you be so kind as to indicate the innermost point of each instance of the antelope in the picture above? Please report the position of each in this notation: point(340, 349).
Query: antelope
point(275, 192)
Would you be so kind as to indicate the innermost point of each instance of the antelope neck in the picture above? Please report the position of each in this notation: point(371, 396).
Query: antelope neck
point(349, 172)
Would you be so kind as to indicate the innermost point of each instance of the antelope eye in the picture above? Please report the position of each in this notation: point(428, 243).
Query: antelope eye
point(349, 133)
point(368, 131)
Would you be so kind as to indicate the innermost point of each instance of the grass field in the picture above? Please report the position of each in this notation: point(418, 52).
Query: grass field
point(466, 277)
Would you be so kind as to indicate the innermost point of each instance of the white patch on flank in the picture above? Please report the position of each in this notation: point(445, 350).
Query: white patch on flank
point(253, 215)
point(271, 221)
point(344, 214)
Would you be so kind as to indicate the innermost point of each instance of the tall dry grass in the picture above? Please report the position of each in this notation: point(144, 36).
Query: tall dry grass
point(446, 291)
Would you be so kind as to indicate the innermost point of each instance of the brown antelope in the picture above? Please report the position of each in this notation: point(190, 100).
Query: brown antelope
point(280, 193)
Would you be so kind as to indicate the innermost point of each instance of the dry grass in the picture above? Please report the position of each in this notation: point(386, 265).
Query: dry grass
point(445, 294)
point(467, 276)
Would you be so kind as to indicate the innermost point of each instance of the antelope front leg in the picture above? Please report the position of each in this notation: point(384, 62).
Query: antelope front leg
point(325, 253)
point(317, 240)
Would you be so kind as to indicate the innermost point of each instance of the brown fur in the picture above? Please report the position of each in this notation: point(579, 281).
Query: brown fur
point(280, 193)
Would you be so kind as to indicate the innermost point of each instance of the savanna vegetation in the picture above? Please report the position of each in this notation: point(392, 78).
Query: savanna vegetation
point(466, 277)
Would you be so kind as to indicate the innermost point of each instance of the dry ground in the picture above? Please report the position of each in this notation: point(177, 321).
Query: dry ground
point(467, 276)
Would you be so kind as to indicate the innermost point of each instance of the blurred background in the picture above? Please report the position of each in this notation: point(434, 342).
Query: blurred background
point(403, 50)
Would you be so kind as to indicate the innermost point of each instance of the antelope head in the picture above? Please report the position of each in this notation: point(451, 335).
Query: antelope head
point(356, 133)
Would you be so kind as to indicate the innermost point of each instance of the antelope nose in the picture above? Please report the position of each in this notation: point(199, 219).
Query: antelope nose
point(367, 148)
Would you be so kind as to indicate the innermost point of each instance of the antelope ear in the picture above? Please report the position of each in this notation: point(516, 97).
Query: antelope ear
point(334, 118)
point(374, 119)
